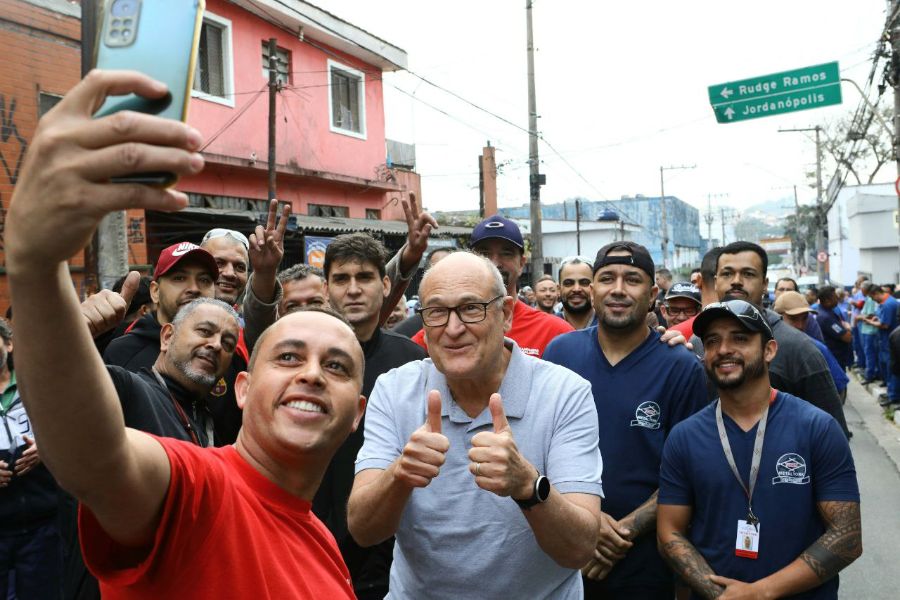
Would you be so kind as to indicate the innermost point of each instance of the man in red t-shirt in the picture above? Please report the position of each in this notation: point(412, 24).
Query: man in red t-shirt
point(163, 518)
point(499, 240)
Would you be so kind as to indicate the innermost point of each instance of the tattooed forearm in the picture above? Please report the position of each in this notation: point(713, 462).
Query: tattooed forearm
point(841, 543)
point(690, 566)
point(643, 519)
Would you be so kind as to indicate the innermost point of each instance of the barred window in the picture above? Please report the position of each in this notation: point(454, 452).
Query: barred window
point(348, 100)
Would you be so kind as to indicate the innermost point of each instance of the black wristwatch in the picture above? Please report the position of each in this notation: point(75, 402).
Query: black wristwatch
point(540, 493)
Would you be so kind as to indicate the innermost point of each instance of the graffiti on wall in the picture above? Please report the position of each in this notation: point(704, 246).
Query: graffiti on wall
point(12, 152)
point(136, 230)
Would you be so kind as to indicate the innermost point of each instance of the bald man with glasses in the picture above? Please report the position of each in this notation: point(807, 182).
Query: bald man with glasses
point(482, 460)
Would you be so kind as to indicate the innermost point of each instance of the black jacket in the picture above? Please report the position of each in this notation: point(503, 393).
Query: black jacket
point(800, 370)
point(138, 348)
point(369, 567)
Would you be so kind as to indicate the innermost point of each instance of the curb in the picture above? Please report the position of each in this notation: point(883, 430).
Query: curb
point(872, 417)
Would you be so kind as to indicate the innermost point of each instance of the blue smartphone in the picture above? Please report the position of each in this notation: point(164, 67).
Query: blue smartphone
point(158, 38)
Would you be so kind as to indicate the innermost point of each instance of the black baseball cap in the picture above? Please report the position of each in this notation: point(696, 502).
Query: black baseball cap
point(684, 289)
point(497, 227)
point(640, 258)
point(740, 310)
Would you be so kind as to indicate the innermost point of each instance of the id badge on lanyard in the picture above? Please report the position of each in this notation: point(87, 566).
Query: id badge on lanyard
point(747, 541)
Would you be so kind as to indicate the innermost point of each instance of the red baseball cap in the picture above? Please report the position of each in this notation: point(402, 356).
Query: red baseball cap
point(175, 253)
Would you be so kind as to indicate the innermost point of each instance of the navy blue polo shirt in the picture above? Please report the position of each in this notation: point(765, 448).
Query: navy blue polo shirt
point(887, 314)
point(639, 401)
point(832, 330)
point(805, 459)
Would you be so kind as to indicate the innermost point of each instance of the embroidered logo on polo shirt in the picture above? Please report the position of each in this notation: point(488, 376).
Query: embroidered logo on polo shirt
point(530, 351)
point(647, 415)
point(220, 388)
point(791, 468)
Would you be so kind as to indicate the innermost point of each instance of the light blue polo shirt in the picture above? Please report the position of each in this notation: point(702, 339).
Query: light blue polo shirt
point(456, 540)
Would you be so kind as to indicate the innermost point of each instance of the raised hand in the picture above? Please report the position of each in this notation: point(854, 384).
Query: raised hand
point(497, 465)
point(106, 309)
point(267, 245)
point(64, 190)
point(426, 449)
point(419, 226)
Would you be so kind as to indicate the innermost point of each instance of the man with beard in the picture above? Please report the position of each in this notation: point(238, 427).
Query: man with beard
point(642, 388)
point(231, 250)
point(499, 240)
point(575, 292)
point(758, 494)
point(545, 294)
point(799, 368)
point(183, 273)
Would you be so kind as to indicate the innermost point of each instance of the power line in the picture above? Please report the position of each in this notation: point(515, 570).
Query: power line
point(234, 118)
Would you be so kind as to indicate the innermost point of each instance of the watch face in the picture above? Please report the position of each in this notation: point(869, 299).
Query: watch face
point(542, 489)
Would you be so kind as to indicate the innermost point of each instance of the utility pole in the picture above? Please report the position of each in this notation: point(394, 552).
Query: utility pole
point(722, 217)
point(895, 81)
point(273, 90)
point(106, 257)
point(709, 217)
point(578, 225)
point(535, 179)
point(821, 217)
point(664, 216)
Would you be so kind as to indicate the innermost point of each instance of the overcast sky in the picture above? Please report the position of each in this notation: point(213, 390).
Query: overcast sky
point(621, 90)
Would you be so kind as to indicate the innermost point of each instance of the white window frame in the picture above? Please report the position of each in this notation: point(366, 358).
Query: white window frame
point(362, 135)
point(227, 60)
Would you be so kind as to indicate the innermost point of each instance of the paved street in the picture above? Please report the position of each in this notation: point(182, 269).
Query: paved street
point(876, 450)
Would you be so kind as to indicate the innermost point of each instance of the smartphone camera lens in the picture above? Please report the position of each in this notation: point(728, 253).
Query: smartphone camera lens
point(124, 8)
point(114, 33)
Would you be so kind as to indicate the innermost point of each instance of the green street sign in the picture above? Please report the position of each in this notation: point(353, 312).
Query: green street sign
point(775, 94)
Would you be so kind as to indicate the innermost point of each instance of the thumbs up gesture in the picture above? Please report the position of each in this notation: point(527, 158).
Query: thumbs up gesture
point(497, 465)
point(426, 449)
point(106, 309)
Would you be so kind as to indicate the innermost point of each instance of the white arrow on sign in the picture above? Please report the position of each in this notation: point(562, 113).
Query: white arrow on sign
point(726, 93)
point(729, 112)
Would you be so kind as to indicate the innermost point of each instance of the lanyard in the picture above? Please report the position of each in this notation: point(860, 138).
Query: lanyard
point(757, 454)
point(182, 416)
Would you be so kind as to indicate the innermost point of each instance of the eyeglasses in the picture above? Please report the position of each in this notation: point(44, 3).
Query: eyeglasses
point(470, 312)
point(219, 232)
point(688, 311)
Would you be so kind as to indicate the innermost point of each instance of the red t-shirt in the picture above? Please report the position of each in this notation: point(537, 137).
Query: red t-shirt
point(686, 329)
point(531, 329)
point(226, 532)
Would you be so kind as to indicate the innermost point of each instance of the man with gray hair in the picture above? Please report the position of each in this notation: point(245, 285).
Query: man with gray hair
point(479, 432)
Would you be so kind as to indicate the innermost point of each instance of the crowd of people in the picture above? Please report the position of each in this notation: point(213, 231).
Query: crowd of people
point(226, 428)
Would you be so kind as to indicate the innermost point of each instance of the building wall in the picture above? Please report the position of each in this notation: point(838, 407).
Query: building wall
point(682, 219)
point(41, 52)
point(873, 229)
point(303, 115)
point(843, 248)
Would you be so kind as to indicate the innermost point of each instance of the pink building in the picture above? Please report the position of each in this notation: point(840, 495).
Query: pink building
point(331, 153)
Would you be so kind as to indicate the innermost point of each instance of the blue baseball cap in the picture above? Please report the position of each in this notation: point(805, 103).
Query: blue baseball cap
point(497, 227)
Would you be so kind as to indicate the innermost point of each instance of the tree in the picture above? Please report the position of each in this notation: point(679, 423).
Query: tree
point(801, 227)
point(859, 144)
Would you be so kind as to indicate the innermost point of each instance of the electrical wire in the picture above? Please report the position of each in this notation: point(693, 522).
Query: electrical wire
point(234, 119)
